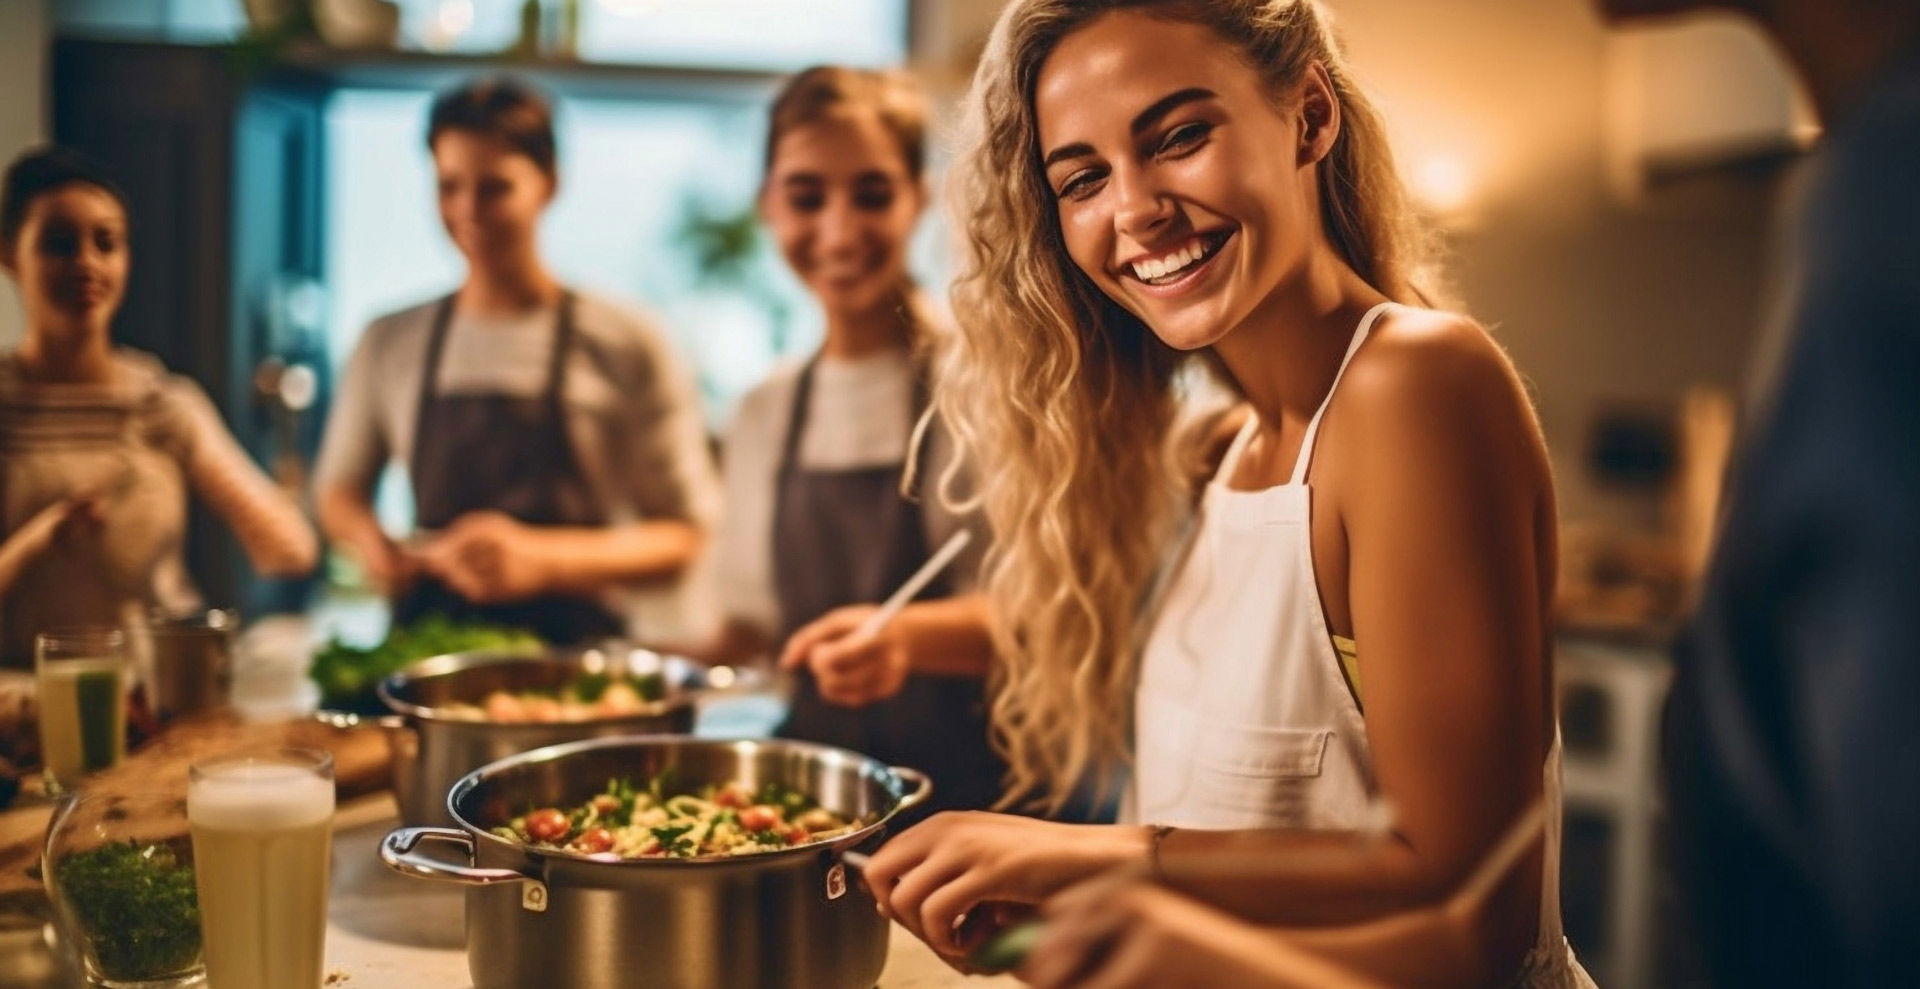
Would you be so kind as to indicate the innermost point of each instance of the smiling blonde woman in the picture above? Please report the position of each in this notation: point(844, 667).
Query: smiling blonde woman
point(1356, 616)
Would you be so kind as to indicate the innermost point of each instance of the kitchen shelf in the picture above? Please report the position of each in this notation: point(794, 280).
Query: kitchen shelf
point(392, 69)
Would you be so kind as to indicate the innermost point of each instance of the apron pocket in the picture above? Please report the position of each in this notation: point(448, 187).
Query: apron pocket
point(1255, 776)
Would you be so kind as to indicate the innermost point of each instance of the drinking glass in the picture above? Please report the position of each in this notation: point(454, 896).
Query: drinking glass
point(82, 684)
point(262, 837)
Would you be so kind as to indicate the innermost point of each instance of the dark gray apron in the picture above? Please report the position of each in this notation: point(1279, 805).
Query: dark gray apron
point(506, 454)
point(845, 537)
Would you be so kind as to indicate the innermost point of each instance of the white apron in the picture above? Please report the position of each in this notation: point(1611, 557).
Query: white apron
point(1244, 717)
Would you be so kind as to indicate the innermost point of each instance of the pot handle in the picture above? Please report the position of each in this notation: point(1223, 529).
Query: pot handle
point(922, 787)
point(397, 851)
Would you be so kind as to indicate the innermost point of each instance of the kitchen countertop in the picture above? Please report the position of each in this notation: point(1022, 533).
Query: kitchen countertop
point(386, 930)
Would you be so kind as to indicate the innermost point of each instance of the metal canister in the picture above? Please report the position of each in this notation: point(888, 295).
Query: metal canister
point(192, 661)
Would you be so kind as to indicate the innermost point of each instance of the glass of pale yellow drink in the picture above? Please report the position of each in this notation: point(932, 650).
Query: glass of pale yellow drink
point(262, 831)
point(81, 676)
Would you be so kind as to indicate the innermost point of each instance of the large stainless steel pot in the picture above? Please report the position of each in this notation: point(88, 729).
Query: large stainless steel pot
point(790, 919)
point(432, 749)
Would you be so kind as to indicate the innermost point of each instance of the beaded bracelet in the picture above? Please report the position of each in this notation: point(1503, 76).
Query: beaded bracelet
point(1160, 832)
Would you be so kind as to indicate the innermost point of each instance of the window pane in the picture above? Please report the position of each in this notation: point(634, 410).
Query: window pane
point(762, 34)
point(774, 35)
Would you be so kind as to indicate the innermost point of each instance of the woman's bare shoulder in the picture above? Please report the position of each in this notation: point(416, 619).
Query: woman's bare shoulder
point(1440, 381)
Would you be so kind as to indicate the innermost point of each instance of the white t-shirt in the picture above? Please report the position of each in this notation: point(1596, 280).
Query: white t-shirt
point(859, 414)
point(637, 436)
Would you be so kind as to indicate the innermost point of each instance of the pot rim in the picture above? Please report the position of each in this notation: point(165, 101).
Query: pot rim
point(566, 749)
point(447, 664)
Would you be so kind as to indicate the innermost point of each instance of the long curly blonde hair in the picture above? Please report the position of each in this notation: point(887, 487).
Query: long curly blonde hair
point(1065, 402)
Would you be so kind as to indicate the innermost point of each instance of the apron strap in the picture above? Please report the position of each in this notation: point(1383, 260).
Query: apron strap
point(797, 417)
point(430, 378)
point(803, 392)
point(563, 334)
point(553, 394)
point(1313, 428)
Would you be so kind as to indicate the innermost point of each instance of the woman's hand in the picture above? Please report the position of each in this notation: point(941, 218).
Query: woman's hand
point(489, 558)
point(46, 529)
point(932, 876)
point(1125, 933)
point(851, 669)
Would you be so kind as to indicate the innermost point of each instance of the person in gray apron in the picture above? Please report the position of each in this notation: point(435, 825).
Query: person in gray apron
point(561, 472)
point(849, 536)
point(503, 453)
point(817, 529)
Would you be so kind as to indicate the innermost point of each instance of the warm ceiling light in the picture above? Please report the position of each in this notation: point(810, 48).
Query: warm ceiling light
point(1442, 183)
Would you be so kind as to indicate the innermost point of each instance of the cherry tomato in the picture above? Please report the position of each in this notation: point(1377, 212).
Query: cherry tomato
point(759, 818)
point(548, 825)
point(798, 836)
point(731, 796)
point(594, 840)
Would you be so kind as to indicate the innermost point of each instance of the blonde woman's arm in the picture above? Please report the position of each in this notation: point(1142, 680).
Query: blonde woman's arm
point(1445, 516)
point(1135, 935)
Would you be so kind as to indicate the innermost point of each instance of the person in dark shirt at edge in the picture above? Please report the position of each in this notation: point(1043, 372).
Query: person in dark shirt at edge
point(1793, 745)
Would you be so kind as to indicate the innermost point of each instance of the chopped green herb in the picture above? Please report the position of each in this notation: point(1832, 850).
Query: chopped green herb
point(668, 835)
point(792, 801)
point(590, 686)
point(137, 905)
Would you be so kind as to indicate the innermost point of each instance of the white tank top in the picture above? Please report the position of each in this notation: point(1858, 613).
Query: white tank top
point(1243, 716)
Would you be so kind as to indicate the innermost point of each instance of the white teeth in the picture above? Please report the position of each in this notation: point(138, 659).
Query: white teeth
point(1154, 269)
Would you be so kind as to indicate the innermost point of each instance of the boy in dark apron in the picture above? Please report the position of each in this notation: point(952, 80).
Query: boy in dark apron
point(509, 454)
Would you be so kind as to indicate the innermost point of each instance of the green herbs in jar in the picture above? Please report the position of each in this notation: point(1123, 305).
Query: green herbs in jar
point(136, 907)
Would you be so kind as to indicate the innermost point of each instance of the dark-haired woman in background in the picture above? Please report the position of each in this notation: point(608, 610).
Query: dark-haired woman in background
point(817, 527)
point(553, 444)
point(100, 445)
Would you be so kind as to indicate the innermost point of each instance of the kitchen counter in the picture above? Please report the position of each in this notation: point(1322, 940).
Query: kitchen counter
point(388, 932)
point(384, 930)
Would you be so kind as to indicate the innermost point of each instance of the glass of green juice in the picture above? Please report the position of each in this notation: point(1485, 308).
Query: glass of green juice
point(82, 679)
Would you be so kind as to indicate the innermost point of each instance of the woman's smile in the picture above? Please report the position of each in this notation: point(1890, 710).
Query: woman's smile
point(1179, 269)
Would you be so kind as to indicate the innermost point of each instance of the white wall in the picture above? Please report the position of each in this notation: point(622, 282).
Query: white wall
point(1601, 303)
point(24, 32)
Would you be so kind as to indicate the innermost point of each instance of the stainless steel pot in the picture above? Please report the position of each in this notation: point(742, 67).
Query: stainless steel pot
point(431, 749)
point(791, 919)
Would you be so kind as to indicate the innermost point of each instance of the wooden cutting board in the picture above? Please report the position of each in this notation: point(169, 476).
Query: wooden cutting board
point(152, 785)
